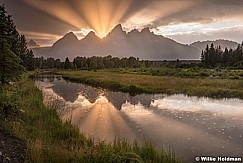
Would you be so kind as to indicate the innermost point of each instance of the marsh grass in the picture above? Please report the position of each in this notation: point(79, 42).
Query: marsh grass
point(49, 139)
point(134, 83)
point(195, 72)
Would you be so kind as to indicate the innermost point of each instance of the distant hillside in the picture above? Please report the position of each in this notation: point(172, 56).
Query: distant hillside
point(32, 44)
point(118, 43)
point(223, 43)
point(41, 51)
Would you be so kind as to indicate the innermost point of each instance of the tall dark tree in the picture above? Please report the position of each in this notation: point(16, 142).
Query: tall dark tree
point(50, 62)
point(206, 54)
point(202, 57)
point(225, 56)
point(25, 54)
point(211, 58)
point(57, 63)
point(10, 67)
point(67, 64)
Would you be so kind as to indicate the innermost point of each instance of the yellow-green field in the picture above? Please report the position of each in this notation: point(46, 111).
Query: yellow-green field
point(136, 83)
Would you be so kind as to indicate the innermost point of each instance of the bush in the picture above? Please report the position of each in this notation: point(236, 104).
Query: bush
point(9, 103)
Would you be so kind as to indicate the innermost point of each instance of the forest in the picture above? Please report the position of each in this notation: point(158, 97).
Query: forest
point(15, 57)
point(211, 57)
point(88, 63)
point(216, 57)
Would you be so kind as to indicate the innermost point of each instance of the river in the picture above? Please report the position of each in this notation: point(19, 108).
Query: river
point(191, 126)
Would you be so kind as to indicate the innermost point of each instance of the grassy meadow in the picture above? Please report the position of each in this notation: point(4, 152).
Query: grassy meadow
point(192, 82)
point(49, 139)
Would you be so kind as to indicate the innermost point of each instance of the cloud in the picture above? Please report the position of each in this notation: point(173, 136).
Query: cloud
point(58, 17)
point(229, 33)
point(28, 18)
point(200, 11)
point(44, 39)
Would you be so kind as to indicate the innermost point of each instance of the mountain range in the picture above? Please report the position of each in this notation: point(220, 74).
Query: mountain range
point(222, 43)
point(143, 44)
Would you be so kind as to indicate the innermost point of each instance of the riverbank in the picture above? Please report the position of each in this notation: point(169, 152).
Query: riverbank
point(12, 149)
point(48, 139)
point(143, 83)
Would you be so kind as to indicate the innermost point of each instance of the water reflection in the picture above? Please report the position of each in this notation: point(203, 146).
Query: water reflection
point(192, 126)
point(119, 98)
point(230, 107)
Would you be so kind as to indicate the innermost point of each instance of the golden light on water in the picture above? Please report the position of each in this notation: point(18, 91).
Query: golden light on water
point(99, 15)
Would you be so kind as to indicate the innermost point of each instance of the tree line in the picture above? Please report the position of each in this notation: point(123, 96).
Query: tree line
point(216, 57)
point(15, 57)
point(88, 63)
point(210, 57)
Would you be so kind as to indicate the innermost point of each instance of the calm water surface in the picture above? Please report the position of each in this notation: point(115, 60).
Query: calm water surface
point(191, 126)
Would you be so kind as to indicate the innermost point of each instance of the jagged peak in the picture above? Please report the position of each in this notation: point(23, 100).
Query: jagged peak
point(134, 31)
point(70, 35)
point(91, 35)
point(117, 30)
point(32, 43)
point(146, 30)
point(118, 27)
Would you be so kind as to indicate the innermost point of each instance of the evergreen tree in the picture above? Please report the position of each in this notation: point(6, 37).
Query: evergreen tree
point(67, 64)
point(57, 63)
point(202, 57)
point(225, 56)
point(212, 57)
point(206, 55)
point(25, 54)
point(10, 67)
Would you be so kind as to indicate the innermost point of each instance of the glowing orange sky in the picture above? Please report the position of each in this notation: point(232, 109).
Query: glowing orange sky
point(98, 15)
point(182, 20)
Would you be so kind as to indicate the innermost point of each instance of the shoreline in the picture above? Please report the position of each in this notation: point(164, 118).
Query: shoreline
point(48, 139)
point(137, 84)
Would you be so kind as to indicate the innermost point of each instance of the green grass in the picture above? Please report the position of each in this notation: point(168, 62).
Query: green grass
point(127, 80)
point(194, 72)
point(49, 139)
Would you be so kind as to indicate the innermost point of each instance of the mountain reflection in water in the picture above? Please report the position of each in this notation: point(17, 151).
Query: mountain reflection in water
point(191, 126)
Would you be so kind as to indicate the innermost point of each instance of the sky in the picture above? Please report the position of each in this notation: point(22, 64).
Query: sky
point(185, 21)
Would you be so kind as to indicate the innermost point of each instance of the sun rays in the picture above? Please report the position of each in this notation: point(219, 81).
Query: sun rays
point(100, 16)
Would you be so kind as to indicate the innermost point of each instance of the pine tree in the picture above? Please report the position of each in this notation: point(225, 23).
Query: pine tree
point(10, 67)
point(17, 43)
point(211, 57)
point(206, 55)
point(225, 58)
point(202, 57)
point(67, 64)
point(25, 54)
